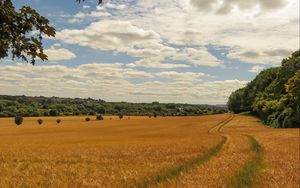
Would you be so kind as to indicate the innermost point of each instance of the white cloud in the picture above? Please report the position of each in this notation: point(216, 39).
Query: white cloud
point(115, 6)
point(154, 63)
point(178, 76)
point(274, 26)
point(197, 56)
point(59, 54)
point(226, 6)
point(121, 36)
point(112, 82)
point(81, 16)
point(256, 69)
point(86, 7)
point(272, 56)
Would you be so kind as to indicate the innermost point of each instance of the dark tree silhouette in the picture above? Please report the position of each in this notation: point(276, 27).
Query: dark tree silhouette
point(21, 32)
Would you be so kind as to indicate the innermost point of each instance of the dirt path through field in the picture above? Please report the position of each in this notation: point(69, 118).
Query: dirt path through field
point(220, 169)
point(187, 166)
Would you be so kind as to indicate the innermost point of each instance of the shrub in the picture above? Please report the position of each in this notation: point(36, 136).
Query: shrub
point(18, 120)
point(87, 119)
point(121, 116)
point(53, 112)
point(40, 121)
point(58, 121)
point(155, 115)
point(99, 117)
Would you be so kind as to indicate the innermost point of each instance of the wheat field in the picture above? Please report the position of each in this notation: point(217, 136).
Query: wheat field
point(204, 151)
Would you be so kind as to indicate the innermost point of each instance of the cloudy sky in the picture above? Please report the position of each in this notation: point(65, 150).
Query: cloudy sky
point(187, 51)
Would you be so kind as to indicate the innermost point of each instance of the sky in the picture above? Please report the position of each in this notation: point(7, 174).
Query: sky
point(183, 51)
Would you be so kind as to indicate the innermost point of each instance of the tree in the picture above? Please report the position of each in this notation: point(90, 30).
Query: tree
point(235, 101)
point(100, 109)
point(18, 120)
point(40, 121)
point(99, 117)
point(274, 95)
point(293, 88)
point(53, 112)
point(58, 121)
point(17, 32)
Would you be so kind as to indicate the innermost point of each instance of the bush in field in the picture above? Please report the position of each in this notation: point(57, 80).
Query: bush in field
point(53, 112)
point(155, 115)
point(58, 121)
point(18, 120)
point(99, 117)
point(121, 116)
point(149, 116)
point(87, 119)
point(40, 121)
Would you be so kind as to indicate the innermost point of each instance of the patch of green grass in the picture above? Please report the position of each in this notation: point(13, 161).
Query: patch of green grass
point(250, 173)
point(182, 168)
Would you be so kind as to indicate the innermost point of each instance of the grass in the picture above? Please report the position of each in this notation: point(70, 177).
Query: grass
point(174, 151)
point(108, 153)
point(250, 173)
point(184, 167)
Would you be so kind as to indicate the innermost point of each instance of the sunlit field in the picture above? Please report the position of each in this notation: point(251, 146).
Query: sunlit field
point(204, 151)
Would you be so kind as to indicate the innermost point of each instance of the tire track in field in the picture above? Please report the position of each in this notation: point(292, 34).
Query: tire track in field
point(219, 171)
point(189, 165)
point(219, 126)
point(185, 167)
point(249, 173)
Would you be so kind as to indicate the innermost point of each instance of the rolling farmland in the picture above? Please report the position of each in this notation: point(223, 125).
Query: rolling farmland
point(205, 151)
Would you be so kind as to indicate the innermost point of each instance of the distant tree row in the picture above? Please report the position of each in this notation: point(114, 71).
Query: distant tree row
point(11, 106)
point(274, 95)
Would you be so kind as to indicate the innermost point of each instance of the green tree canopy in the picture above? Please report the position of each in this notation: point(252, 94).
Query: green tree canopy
point(274, 95)
point(21, 32)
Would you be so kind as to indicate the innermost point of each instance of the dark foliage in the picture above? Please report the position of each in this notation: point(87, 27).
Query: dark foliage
point(40, 121)
point(54, 106)
point(18, 120)
point(99, 117)
point(273, 95)
point(16, 32)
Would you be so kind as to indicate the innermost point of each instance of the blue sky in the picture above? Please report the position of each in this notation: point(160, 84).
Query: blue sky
point(188, 51)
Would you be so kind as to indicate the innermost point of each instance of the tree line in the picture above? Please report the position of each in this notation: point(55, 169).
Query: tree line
point(274, 95)
point(11, 106)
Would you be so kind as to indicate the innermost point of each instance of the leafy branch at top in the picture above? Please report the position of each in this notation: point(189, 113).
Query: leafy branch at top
point(21, 33)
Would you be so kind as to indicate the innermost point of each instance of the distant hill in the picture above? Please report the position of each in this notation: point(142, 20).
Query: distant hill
point(54, 106)
point(274, 95)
